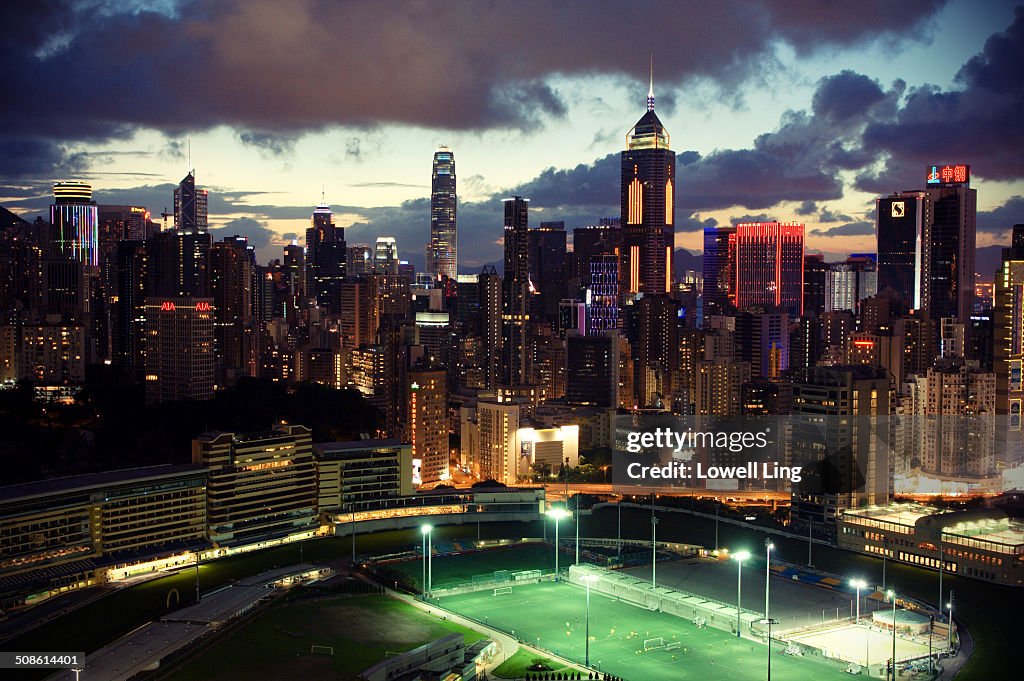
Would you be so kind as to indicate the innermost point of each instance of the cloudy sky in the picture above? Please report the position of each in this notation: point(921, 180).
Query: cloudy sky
point(801, 110)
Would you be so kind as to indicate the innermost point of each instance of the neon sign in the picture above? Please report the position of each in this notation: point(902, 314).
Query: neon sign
point(864, 343)
point(202, 306)
point(167, 306)
point(949, 174)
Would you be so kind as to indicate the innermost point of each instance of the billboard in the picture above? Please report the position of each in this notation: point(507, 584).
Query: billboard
point(955, 173)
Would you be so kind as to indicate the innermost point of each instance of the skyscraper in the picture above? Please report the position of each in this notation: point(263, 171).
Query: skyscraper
point(770, 265)
point(232, 263)
point(179, 349)
point(647, 206)
point(718, 269)
point(325, 258)
point(190, 205)
point(948, 241)
point(898, 231)
point(442, 251)
point(547, 267)
point(515, 288)
point(1008, 349)
point(385, 255)
point(75, 220)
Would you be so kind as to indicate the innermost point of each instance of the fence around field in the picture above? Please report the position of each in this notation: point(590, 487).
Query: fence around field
point(679, 603)
point(493, 580)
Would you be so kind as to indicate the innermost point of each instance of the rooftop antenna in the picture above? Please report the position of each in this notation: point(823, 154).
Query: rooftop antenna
point(323, 193)
point(189, 143)
point(650, 91)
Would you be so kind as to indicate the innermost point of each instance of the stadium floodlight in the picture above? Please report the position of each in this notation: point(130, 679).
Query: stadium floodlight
point(769, 621)
point(949, 628)
point(768, 546)
point(739, 557)
point(588, 580)
point(557, 514)
point(427, 550)
point(859, 584)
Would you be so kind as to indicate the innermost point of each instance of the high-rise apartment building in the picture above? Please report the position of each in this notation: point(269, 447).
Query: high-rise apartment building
point(442, 251)
point(427, 426)
point(1008, 349)
point(960, 422)
point(770, 265)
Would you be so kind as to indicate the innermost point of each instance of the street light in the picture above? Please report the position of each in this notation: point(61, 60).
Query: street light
point(654, 549)
point(949, 628)
point(587, 579)
point(892, 596)
point(427, 576)
point(739, 557)
point(859, 584)
point(769, 621)
point(557, 514)
point(768, 546)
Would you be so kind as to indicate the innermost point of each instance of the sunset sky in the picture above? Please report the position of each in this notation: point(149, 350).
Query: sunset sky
point(802, 110)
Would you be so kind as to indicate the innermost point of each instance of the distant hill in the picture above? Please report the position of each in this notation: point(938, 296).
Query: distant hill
point(685, 260)
point(9, 219)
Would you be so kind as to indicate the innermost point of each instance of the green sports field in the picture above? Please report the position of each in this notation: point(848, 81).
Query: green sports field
point(461, 568)
point(553, 616)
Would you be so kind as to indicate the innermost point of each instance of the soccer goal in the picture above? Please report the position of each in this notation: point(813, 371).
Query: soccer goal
point(652, 643)
point(675, 645)
point(321, 650)
point(502, 590)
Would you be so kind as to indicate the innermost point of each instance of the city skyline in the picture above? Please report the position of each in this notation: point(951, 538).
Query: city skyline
point(750, 132)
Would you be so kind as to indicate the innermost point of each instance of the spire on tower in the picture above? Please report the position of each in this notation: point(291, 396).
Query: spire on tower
point(650, 91)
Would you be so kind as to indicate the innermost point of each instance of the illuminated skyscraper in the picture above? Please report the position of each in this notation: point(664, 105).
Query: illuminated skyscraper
point(1008, 349)
point(718, 265)
point(385, 255)
point(442, 250)
point(75, 222)
point(515, 288)
point(180, 361)
point(948, 241)
point(325, 258)
point(770, 265)
point(648, 206)
point(190, 205)
point(898, 230)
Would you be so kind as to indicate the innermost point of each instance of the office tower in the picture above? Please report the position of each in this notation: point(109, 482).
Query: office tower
point(585, 241)
point(385, 255)
point(547, 365)
point(572, 317)
point(762, 338)
point(426, 428)
point(433, 330)
point(1008, 349)
point(592, 370)
point(261, 485)
point(647, 191)
point(358, 260)
point(960, 421)
point(898, 231)
point(491, 301)
point(841, 437)
point(815, 273)
point(442, 251)
point(847, 283)
point(719, 270)
point(656, 348)
point(180, 362)
point(325, 258)
point(602, 296)
point(805, 343)
point(74, 221)
point(547, 262)
point(948, 241)
point(179, 263)
point(129, 318)
point(515, 288)
point(294, 276)
point(232, 272)
point(190, 205)
point(770, 265)
point(467, 303)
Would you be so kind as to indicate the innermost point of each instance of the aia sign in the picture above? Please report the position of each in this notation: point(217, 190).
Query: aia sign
point(167, 306)
point(202, 306)
point(949, 174)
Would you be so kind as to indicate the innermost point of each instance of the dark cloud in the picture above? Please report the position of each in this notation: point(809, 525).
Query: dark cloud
point(827, 215)
point(279, 67)
point(256, 231)
point(760, 217)
point(269, 143)
point(1000, 221)
point(844, 95)
point(694, 223)
point(32, 156)
point(979, 123)
point(807, 208)
point(849, 229)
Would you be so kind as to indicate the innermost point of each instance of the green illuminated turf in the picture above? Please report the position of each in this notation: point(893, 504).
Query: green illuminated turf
point(449, 570)
point(553, 616)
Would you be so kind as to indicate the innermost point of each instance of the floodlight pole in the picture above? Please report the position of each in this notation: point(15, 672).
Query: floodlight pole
point(739, 593)
point(768, 546)
point(892, 595)
point(769, 621)
point(556, 546)
point(654, 550)
point(949, 628)
point(940, 570)
point(577, 523)
point(197, 576)
point(586, 658)
point(619, 534)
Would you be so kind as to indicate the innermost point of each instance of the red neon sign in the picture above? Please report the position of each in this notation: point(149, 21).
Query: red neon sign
point(864, 343)
point(202, 306)
point(957, 173)
point(167, 306)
